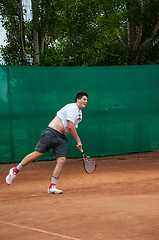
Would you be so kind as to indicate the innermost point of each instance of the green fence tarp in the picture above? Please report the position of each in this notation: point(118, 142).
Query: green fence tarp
point(122, 114)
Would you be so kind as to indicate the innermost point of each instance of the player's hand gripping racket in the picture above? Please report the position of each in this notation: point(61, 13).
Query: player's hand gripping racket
point(88, 163)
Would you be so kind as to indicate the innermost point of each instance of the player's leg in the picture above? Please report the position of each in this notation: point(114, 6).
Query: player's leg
point(40, 149)
point(59, 146)
point(56, 173)
point(29, 158)
point(59, 165)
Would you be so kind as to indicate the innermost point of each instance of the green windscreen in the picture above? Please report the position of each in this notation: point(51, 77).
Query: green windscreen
point(122, 114)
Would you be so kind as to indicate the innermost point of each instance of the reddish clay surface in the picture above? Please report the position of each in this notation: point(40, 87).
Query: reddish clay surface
point(119, 202)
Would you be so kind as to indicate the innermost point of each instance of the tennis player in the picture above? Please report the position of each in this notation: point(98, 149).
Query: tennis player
point(54, 137)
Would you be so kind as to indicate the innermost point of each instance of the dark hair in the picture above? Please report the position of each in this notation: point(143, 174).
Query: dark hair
point(80, 95)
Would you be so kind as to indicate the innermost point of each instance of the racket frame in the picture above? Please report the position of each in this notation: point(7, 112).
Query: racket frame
point(86, 158)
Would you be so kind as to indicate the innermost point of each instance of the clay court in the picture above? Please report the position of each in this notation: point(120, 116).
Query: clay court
point(119, 202)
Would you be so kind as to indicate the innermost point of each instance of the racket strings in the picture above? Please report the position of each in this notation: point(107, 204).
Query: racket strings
point(90, 165)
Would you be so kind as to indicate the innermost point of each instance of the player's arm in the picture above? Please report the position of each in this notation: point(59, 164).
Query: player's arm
point(73, 132)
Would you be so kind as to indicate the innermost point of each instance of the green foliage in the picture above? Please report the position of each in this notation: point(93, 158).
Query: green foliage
point(12, 52)
point(84, 32)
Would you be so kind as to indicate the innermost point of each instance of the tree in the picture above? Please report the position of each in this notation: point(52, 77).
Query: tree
point(82, 32)
point(35, 8)
point(26, 39)
point(107, 32)
point(137, 42)
point(14, 51)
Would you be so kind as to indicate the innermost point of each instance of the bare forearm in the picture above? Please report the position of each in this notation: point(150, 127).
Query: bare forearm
point(73, 132)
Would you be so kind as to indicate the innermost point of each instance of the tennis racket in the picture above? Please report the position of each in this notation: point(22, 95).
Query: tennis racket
point(88, 163)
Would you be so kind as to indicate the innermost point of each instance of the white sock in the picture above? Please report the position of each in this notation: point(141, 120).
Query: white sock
point(54, 180)
point(20, 166)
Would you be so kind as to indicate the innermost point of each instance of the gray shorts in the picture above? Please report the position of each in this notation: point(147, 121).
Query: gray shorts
point(51, 138)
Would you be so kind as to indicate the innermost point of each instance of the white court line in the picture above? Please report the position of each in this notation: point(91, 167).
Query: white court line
point(39, 230)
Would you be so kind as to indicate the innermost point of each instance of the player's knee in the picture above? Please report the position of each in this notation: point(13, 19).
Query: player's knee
point(38, 154)
point(61, 160)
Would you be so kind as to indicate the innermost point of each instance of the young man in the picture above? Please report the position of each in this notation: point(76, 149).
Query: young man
point(54, 136)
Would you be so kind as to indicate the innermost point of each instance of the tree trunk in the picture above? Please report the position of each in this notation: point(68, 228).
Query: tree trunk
point(134, 60)
point(21, 30)
point(36, 47)
point(131, 34)
point(131, 26)
point(42, 44)
point(35, 32)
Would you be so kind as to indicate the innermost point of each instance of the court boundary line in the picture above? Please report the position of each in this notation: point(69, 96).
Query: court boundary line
point(39, 230)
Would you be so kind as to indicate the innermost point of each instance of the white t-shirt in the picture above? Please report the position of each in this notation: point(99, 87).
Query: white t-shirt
point(70, 112)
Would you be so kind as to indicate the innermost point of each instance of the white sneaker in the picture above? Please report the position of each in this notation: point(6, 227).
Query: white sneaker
point(54, 190)
point(10, 176)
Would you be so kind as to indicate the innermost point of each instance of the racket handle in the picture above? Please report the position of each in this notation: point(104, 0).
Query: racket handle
point(81, 151)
